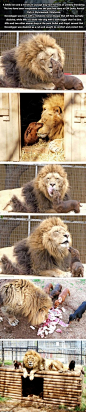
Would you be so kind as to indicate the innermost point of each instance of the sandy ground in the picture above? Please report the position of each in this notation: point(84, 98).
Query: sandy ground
point(75, 330)
point(10, 406)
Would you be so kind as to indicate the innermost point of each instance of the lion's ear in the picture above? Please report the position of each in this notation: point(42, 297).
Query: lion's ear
point(42, 309)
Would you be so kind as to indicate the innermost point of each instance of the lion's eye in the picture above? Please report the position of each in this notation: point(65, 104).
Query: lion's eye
point(42, 61)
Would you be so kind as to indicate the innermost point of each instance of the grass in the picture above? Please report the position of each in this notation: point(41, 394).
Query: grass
point(3, 399)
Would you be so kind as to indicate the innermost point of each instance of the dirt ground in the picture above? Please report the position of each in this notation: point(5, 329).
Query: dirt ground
point(75, 330)
point(10, 406)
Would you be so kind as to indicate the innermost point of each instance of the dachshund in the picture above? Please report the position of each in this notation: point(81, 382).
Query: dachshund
point(62, 297)
point(63, 81)
point(16, 364)
point(76, 266)
point(56, 291)
point(78, 313)
point(30, 135)
point(72, 365)
point(48, 287)
point(65, 206)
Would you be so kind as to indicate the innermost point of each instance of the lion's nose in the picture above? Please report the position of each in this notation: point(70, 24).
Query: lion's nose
point(52, 184)
point(66, 235)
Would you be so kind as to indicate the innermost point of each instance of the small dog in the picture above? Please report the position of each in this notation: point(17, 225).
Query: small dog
point(72, 365)
point(48, 287)
point(78, 312)
point(65, 206)
point(30, 135)
point(63, 81)
point(56, 291)
point(68, 205)
point(16, 364)
point(62, 297)
point(76, 266)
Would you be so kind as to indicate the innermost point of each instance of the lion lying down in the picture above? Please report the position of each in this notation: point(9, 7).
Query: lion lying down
point(37, 195)
point(33, 362)
point(25, 298)
point(42, 253)
point(48, 192)
point(29, 65)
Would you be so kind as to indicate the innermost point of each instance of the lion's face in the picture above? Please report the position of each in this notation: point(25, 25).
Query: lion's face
point(49, 120)
point(41, 310)
point(43, 59)
point(31, 359)
point(52, 115)
point(50, 183)
point(57, 241)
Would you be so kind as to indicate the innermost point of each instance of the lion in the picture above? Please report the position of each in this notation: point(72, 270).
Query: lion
point(53, 121)
point(38, 195)
point(29, 65)
point(43, 253)
point(53, 365)
point(21, 296)
point(32, 363)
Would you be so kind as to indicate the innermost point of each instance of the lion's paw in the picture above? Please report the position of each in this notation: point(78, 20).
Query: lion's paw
point(13, 321)
point(31, 377)
point(25, 373)
point(55, 146)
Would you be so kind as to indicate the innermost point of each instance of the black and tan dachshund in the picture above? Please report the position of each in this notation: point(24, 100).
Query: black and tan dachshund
point(78, 312)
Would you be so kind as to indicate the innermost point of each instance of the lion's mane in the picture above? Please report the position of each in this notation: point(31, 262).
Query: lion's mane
point(23, 66)
point(23, 297)
point(42, 253)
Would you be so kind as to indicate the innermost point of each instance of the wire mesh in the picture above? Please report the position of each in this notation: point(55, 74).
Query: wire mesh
point(65, 351)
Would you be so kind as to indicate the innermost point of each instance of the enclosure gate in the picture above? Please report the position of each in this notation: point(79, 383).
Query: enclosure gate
point(59, 388)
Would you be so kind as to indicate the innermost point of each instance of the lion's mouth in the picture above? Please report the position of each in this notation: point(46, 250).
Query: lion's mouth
point(30, 364)
point(65, 243)
point(50, 190)
point(41, 135)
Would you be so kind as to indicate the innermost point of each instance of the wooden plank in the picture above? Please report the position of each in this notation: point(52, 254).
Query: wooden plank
point(67, 126)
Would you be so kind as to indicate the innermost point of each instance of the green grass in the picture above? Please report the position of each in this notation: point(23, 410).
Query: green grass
point(3, 399)
point(8, 363)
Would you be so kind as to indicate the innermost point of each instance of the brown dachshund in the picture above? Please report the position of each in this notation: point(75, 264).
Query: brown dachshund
point(63, 81)
point(48, 287)
point(65, 206)
point(30, 135)
point(16, 364)
point(76, 266)
point(62, 297)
